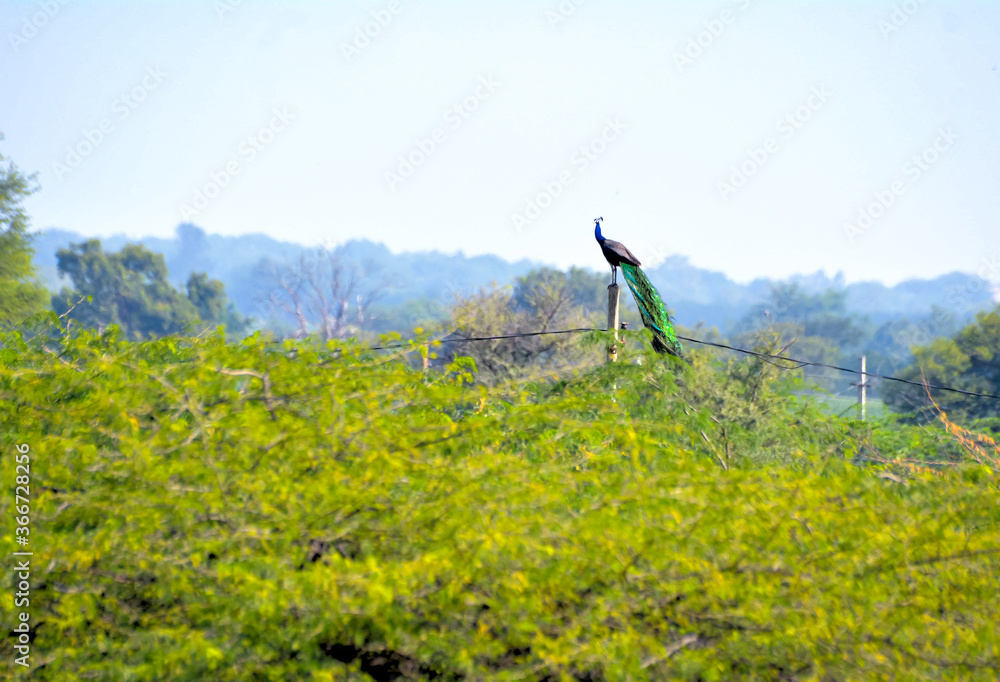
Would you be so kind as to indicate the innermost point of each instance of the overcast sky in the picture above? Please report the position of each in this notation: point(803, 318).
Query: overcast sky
point(747, 135)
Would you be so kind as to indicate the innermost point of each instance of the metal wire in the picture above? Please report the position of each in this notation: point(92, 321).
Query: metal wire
point(764, 356)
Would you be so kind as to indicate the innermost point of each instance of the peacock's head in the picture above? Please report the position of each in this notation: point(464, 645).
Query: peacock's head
point(597, 229)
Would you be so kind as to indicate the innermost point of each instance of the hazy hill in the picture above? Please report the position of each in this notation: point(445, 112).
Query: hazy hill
point(694, 293)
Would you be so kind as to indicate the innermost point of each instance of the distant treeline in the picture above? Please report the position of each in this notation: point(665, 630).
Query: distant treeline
point(430, 280)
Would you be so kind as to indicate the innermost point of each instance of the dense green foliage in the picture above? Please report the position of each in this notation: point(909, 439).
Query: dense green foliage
point(969, 361)
point(542, 301)
point(820, 324)
point(129, 289)
point(823, 328)
point(302, 511)
point(21, 295)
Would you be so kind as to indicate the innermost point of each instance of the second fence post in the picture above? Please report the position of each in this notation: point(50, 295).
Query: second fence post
point(613, 320)
point(862, 393)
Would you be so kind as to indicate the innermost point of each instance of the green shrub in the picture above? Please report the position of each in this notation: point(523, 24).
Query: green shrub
point(204, 511)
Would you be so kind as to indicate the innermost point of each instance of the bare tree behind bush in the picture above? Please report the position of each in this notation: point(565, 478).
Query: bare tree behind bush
point(323, 292)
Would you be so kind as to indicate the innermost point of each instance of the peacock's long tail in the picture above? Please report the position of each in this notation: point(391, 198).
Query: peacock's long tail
point(654, 313)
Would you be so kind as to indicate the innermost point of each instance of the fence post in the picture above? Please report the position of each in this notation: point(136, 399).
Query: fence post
point(613, 320)
point(862, 392)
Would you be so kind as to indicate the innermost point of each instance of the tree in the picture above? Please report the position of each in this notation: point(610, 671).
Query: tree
point(589, 289)
point(193, 252)
point(823, 316)
point(21, 294)
point(819, 325)
point(969, 361)
point(323, 292)
point(889, 347)
point(130, 289)
point(543, 300)
point(209, 297)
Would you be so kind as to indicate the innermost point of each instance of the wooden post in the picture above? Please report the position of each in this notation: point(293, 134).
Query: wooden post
point(613, 320)
point(862, 385)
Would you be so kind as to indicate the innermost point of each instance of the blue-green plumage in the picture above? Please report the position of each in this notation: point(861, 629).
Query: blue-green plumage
point(654, 314)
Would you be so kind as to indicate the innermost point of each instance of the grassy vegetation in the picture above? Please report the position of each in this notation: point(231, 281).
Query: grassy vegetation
point(848, 405)
point(262, 511)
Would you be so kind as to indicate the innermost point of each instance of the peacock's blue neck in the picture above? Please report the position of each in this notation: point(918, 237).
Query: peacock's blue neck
point(597, 233)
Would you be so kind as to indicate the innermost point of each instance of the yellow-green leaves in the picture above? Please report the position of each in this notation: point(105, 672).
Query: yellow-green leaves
point(351, 516)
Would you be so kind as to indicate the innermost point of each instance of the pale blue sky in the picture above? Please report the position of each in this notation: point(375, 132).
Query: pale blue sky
point(869, 96)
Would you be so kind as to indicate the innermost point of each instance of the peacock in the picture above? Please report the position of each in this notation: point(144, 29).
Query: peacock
point(654, 314)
